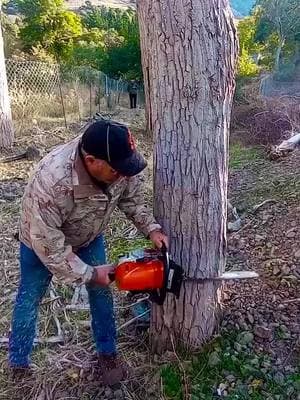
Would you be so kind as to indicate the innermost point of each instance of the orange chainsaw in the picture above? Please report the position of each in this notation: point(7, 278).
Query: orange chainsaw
point(151, 271)
point(148, 271)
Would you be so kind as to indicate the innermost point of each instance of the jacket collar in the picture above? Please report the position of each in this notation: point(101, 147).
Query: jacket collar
point(83, 185)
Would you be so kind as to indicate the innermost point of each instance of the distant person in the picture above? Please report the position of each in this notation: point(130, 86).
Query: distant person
point(132, 90)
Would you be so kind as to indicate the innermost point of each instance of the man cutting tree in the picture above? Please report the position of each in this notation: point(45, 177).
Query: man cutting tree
point(65, 209)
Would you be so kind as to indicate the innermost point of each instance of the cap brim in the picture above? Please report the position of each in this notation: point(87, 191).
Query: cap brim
point(131, 166)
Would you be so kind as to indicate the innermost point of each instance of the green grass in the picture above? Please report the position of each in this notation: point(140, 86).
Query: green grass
point(266, 184)
point(118, 247)
point(252, 374)
point(172, 382)
point(241, 157)
point(271, 187)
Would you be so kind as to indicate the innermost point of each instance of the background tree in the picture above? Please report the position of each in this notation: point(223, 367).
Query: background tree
point(249, 48)
point(190, 52)
point(280, 22)
point(48, 24)
point(123, 57)
point(6, 126)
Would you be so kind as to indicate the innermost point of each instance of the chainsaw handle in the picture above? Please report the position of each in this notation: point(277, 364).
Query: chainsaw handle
point(159, 296)
point(112, 276)
point(164, 251)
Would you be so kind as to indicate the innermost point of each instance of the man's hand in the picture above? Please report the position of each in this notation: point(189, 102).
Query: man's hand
point(101, 275)
point(159, 239)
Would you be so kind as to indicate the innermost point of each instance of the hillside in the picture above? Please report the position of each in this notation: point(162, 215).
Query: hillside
point(75, 4)
point(240, 7)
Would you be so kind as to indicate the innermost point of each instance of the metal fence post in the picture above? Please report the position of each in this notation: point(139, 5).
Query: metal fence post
point(61, 96)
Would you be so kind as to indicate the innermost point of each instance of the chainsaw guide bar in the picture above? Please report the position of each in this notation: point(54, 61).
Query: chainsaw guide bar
point(152, 271)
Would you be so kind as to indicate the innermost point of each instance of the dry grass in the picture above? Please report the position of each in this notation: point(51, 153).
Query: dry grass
point(30, 107)
point(64, 371)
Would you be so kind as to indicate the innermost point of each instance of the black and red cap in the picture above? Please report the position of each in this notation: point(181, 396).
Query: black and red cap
point(113, 142)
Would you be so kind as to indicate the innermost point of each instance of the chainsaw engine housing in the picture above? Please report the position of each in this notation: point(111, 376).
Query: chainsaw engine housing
point(149, 271)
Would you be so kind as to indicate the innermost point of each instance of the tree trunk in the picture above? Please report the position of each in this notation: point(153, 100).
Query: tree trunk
point(190, 50)
point(278, 54)
point(144, 35)
point(6, 127)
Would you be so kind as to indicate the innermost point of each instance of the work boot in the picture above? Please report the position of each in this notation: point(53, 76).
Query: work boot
point(19, 373)
point(111, 369)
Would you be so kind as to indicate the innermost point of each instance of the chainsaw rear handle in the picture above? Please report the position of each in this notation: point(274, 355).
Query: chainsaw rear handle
point(112, 276)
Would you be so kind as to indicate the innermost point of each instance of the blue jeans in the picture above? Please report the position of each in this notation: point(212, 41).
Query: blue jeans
point(34, 281)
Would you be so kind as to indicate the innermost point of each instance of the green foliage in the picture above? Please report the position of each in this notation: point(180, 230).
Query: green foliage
point(10, 35)
point(123, 21)
point(117, 246)
point(279, 21)
point(247, 33)
point(102, 38)
point(47, 24)
point(122, 55)
point(172, 383)
point(241, 157)
point(247, 67)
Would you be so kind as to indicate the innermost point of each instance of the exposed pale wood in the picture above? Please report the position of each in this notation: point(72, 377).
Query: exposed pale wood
point(189, 53)
point(237, 275)
point(290, 144)
point(49, 340)
point(6, 126)
point(259, 206)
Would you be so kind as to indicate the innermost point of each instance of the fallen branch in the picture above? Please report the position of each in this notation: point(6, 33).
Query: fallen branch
point(31, 154)
point(86, 307)
point(49, 301)
point(291, 301)
point(49, 340)
point(77, 307)
point(75, 296)
point(131, 321)
point(258, 206)
point(286, 147)
point(291, 144)
point(54, 298)
point(87, 324)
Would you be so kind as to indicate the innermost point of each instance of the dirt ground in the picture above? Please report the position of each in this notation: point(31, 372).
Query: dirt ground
point(264, 312)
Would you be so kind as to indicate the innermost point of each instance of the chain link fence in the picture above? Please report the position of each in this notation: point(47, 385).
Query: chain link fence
point(45, 92)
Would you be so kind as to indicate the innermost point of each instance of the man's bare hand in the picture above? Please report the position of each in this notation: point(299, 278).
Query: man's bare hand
point(101, 275)
point(159, 239)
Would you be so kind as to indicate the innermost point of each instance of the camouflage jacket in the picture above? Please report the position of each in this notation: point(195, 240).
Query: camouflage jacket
point(63, 210)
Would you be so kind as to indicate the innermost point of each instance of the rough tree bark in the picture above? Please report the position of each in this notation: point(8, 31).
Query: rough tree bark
point(144, 30)
point(189, 52)
point(6, 126)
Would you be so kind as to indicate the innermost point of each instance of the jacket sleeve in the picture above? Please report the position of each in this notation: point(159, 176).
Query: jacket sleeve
point(133, 205)
point(48, 240)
